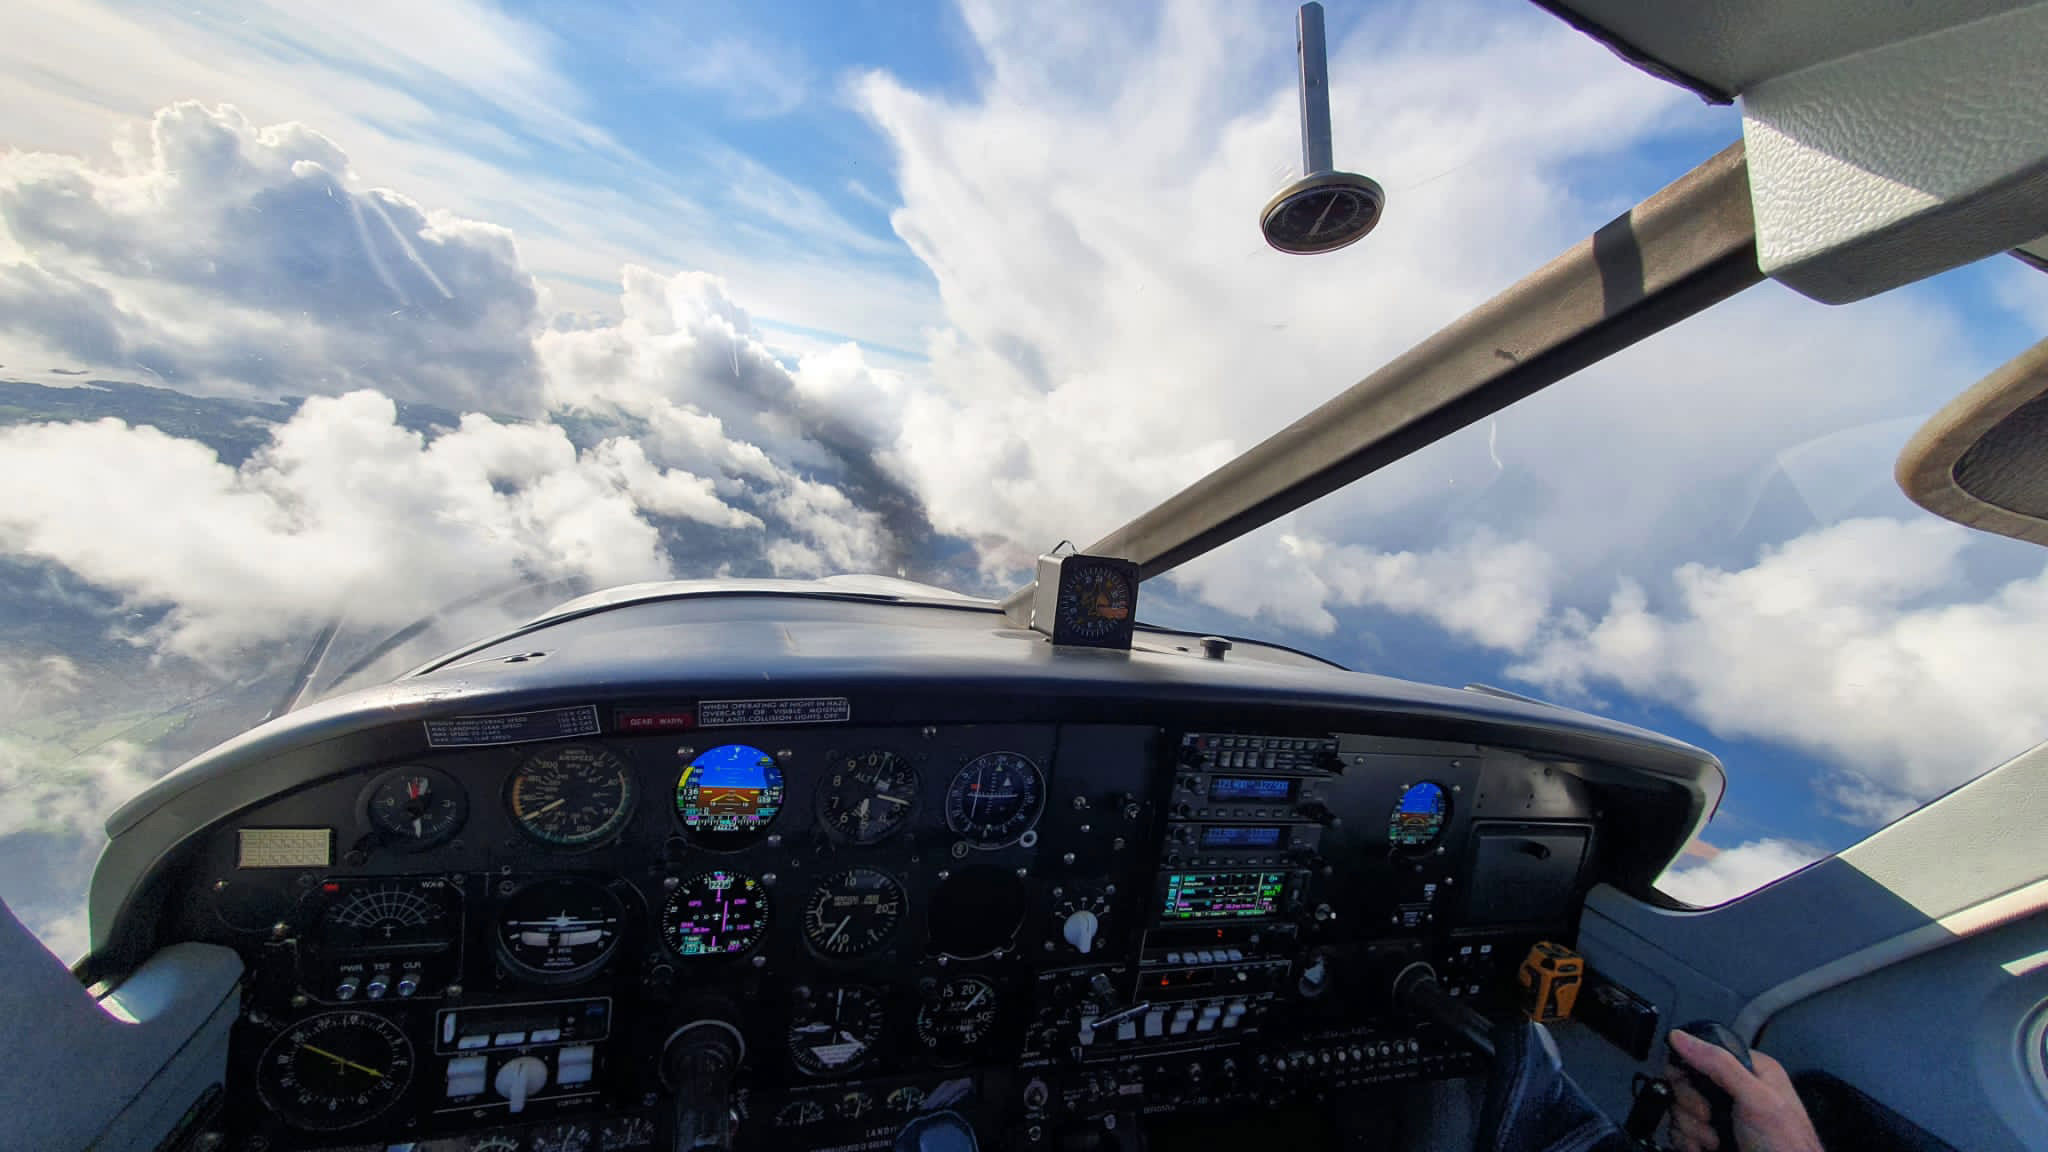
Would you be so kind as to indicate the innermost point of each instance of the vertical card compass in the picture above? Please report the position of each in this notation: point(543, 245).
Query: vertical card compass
point(1086, 601)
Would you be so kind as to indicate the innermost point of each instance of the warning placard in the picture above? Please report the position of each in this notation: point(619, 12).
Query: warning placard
point(512, 727)
point(750, 713)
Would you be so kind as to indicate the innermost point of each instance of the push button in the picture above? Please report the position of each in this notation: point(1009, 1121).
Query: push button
point(466, 1076)
point(574, 1065)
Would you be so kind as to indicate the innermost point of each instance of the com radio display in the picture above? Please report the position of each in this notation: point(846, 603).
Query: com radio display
point(1223, 895)
point(1256, 789)
point(1242, 835)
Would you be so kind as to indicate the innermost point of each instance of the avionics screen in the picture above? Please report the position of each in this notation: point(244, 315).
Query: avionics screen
point(1241, 836)
point(1272, 788)
point(1222, 895)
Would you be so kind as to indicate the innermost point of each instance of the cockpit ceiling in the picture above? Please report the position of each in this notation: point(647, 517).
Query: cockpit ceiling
point(1720, 48)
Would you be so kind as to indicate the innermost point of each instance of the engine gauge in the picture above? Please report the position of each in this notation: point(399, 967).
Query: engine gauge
point(854, 1105)
point(626, 1133)
point(834, 1030)
point(909, 1098)
point(995, 798)
point(868, 797)
point(1418, 818)
point(573, 796)
point(413, 808)
point(562, 1138)
point(335, 1070)
point(853, 913)
point(732, 792)
point(956, 1018)
point(718, 913)
point(561, 929)
point(799, 1114)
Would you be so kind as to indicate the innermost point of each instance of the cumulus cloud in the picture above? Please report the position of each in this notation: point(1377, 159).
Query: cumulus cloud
point(1847, 642)
point(1733, 872)
point(1125, 329)
point(343, 510)
point(224, 255)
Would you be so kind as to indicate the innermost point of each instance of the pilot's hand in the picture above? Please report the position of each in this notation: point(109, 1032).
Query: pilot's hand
point(1768, 1114)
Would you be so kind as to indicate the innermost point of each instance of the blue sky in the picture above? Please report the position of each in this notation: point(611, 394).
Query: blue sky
point(931, 286)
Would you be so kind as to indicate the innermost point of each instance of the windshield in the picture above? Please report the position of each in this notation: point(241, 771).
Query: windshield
point(335, 335)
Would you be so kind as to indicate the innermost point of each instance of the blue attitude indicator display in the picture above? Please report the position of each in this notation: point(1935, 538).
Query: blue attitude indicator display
point(733, 788)
point(1418, 818)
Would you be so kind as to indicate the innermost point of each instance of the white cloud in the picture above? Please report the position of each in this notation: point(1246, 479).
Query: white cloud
point(1124, 328)
point(1734, 871)
point(476, 111)
point(344, 511)
point(1847, 642)
point(227, 256)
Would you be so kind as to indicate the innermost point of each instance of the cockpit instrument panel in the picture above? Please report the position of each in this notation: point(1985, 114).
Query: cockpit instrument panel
point(894, 918)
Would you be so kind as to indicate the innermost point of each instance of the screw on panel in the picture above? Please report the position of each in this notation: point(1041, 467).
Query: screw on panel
point(280, 930)
point(1065, 858)
point(929, 732)
point(960, 850)
point(1109, 889)
point(768, 879)
point(220, 885)
point(505, 887)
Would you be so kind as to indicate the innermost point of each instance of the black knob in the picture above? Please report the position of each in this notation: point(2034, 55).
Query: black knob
point(1720, 1105)
point(698, 1062)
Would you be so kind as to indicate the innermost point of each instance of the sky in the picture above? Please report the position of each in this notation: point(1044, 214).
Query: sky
point(923, 289)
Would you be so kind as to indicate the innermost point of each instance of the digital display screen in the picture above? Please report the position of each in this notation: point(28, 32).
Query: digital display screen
point(284, 847)
point(1223, 895)
point(1418, 818)
point(1250, 788)
point(1241, 836)
point(731, 788)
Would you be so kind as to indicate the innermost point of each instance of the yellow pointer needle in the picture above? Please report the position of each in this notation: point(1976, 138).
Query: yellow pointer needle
point(547, 807)
point(342, 1060)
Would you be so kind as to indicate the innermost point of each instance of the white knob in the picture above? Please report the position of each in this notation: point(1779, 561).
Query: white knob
point(1080, 930)
point(521, 1078)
